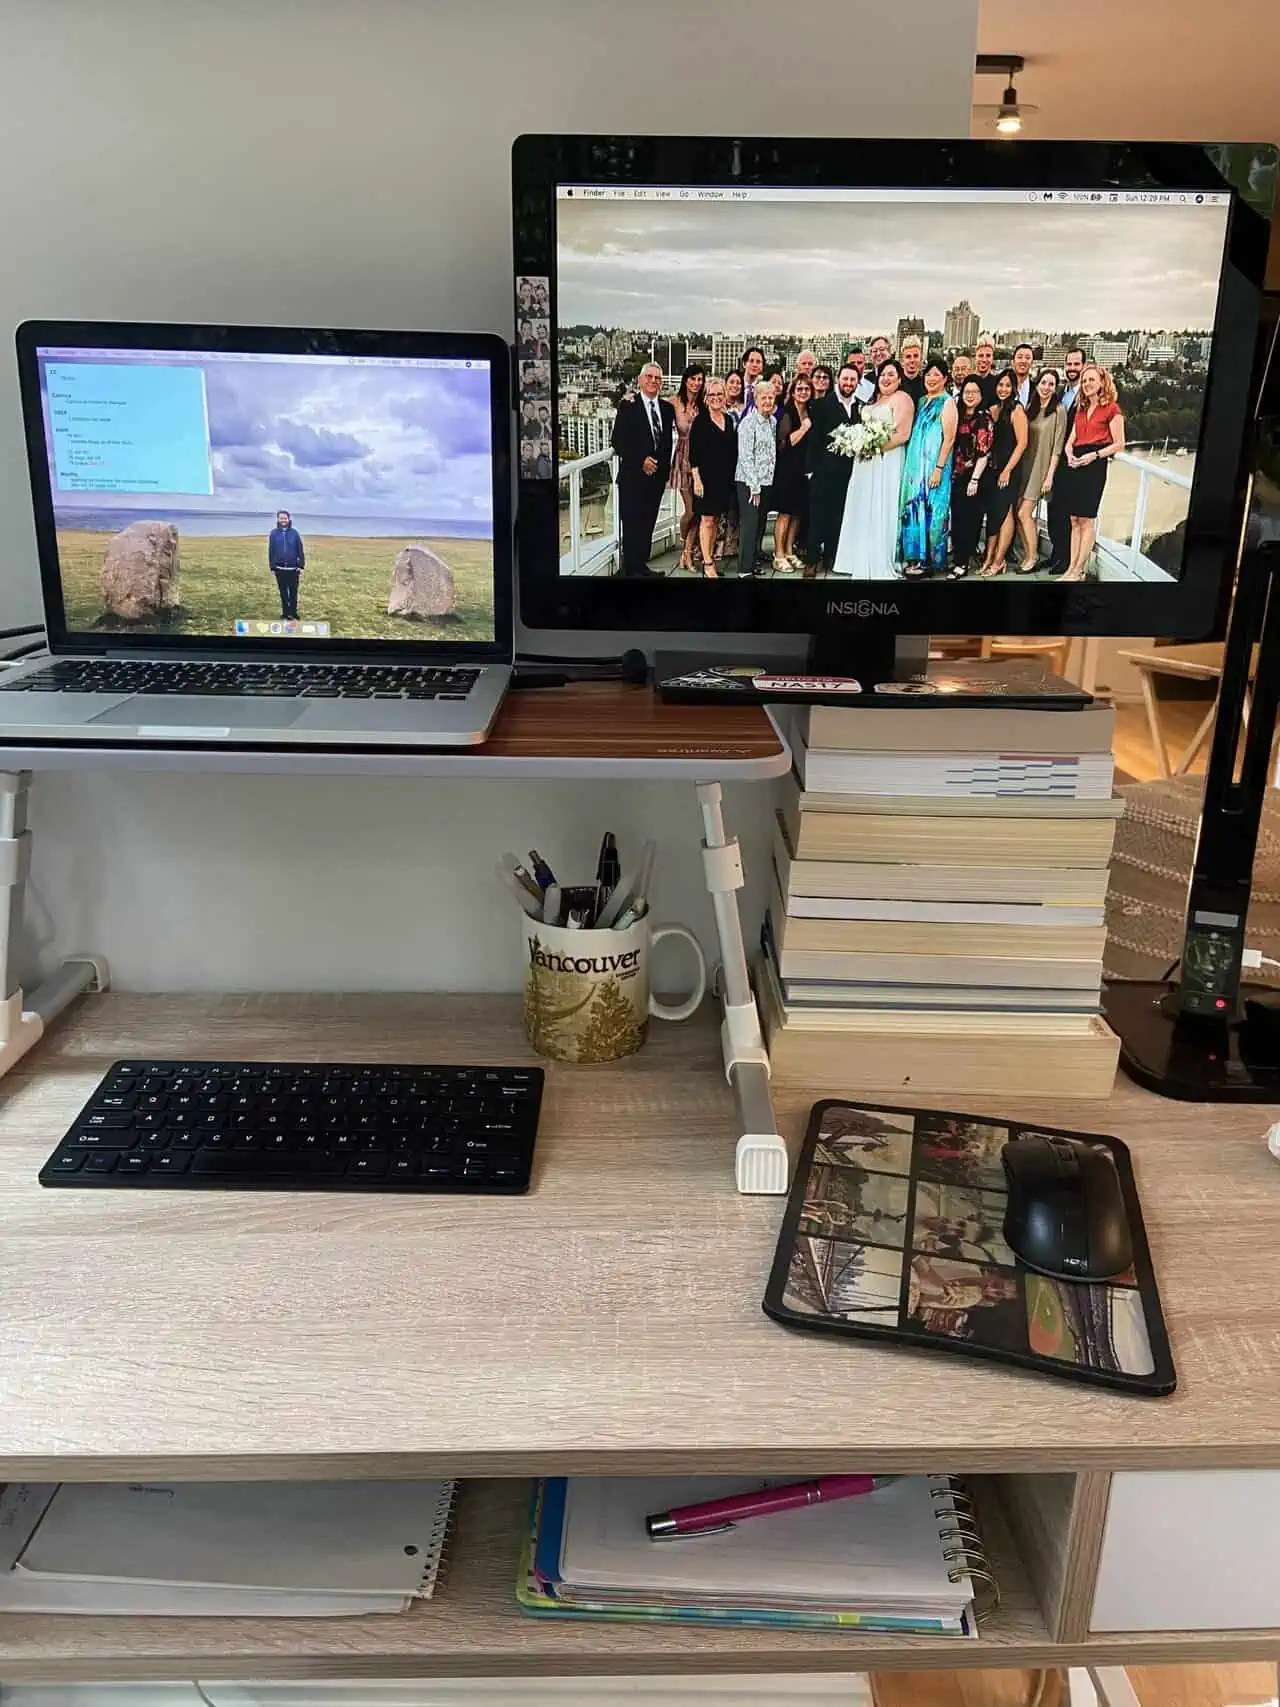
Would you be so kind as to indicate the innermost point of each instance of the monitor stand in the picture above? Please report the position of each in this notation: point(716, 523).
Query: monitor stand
point(834, 662)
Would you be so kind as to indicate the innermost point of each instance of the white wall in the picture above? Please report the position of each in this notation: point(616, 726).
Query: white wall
point(319, 162)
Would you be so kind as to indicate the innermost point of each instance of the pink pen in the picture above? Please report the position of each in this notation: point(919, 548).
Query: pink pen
point(761, 1502)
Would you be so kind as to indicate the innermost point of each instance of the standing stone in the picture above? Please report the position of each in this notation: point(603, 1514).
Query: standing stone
point(421, 585)
point(140, 571)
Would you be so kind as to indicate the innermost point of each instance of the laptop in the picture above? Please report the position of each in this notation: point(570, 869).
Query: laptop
point(266, 538)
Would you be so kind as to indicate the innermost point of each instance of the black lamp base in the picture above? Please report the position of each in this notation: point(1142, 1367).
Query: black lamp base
point(1190, 1060)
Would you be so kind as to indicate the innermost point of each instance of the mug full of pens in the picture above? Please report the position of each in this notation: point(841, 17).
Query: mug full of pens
point(586, 958)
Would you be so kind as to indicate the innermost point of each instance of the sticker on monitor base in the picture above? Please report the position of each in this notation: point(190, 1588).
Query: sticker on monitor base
point(806, 684)
point(913, 685)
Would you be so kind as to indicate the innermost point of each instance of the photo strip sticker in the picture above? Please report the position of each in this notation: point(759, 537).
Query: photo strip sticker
point(979, 1303)
point(878, 1139)
point(844, 1281)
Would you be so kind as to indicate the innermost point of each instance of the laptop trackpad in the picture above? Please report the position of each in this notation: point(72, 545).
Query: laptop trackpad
point(159, 712)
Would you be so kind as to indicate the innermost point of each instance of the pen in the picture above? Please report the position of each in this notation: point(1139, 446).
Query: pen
point(608, 866)
point(760, 1502)
point(645, 875)
point(520, 894)
point(543, 874)
point(512, 867)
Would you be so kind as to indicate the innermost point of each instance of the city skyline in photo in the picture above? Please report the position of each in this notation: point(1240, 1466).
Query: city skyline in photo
point(770, 268)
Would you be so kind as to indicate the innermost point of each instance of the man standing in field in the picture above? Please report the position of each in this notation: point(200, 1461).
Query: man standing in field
point(286, 559)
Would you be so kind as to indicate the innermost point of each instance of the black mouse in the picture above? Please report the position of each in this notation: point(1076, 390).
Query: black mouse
point(1066, 1215)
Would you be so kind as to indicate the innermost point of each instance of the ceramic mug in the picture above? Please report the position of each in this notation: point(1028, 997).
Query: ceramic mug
point(586, 993)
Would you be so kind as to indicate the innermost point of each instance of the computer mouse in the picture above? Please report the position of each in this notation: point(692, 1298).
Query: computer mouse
point(1066, 1215)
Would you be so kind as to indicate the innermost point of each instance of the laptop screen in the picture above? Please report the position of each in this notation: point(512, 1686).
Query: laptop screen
point(225, 495)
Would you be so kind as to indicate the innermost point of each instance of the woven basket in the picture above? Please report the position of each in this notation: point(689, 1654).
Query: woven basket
point(1150, 871)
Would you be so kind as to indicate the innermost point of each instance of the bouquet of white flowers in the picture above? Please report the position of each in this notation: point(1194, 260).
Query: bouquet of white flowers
point(863, 442)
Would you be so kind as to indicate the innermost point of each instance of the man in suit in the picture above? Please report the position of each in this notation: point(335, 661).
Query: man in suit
point(1023, 361)
point(1059, 559)
point(830, 470)
point(643, 437)
point(984, 369)
point(878, 352)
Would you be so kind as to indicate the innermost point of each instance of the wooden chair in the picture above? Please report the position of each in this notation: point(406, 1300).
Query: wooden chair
point(1053, 649)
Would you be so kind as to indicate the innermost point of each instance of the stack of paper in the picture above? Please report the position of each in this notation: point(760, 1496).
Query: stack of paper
point(235, 1550)
point(877, 1562)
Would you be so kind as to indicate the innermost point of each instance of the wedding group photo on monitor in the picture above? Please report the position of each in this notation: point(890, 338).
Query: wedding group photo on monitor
point(886, 386)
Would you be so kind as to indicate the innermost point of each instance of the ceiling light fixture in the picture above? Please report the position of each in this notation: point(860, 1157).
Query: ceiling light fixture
point(1009, 118)
point(1008, 115)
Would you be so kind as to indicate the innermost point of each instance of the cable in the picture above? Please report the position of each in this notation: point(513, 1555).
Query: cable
point(1170, 969)
point(17, 633)
point(23, 651)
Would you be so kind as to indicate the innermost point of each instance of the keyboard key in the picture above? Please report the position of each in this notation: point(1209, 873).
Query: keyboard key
point(368, 1167)
point(261, 1165)
point(134, 1163)
point(100, 1161)
point(172, 1162)
point(68, 1161)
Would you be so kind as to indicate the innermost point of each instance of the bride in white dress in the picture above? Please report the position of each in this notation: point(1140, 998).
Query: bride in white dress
point(868, 541)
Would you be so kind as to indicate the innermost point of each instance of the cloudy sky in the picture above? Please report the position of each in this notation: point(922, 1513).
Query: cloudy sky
point(813, 267)
point(329, 439)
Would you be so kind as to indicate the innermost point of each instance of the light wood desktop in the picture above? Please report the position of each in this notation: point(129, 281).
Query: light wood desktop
point(609, 1321)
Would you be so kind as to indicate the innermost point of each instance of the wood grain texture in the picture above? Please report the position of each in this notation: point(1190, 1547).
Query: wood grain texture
point(1038, 1512)
point(1083, 1553)
point(610, 1321)
point(1058, 1522)
point(613, 720)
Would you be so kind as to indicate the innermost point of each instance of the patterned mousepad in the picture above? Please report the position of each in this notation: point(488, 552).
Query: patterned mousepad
point(893, 1231)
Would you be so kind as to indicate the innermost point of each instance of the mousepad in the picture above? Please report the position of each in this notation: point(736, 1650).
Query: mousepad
point(893, 1231)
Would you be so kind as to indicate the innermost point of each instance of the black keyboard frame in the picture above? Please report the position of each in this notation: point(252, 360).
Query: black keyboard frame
point(456, 1152)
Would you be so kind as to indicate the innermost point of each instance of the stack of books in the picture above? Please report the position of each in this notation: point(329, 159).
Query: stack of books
point(937, 913)
point(217, 1549)
point(888, 1561)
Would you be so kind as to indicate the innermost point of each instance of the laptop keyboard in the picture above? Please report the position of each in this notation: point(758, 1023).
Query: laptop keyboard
point(285, 1126)
point(268, 680)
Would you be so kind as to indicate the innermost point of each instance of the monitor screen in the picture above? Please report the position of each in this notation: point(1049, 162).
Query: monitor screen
point(259, 496)
point(872, 385)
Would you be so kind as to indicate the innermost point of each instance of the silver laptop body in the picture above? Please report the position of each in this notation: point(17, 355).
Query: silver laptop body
point(264, 537)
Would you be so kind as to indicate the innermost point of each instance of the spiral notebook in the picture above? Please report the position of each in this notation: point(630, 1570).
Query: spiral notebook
point(311, 1548)
point(906, 1557)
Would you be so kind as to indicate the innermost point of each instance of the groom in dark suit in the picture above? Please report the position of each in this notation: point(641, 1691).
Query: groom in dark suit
point(831, 471)
point(1059, 514)
point(643, 438)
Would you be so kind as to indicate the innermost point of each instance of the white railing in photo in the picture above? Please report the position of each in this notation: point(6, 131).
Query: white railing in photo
point(593, 546)
point(1125, 560)
point(597, 552)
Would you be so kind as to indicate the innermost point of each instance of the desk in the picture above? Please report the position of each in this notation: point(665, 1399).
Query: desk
point(577, 1329)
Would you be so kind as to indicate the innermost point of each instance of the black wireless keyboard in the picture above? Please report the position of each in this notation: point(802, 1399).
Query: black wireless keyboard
point(285, 1126)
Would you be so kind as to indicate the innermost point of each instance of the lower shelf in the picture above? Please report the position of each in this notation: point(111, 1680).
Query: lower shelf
point(475, 1629)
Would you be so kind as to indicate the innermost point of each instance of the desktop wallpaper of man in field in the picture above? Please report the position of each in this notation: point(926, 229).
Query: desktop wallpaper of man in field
point(316, 497)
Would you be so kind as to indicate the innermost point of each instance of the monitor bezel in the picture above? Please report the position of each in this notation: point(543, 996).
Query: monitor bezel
point(1191, 608)
point(34, 335)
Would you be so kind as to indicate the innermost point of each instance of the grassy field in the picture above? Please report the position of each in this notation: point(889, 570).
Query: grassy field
point(345, 583)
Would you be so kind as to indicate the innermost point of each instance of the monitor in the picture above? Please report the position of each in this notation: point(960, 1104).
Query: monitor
point(269, 489)
point(1124, 274)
